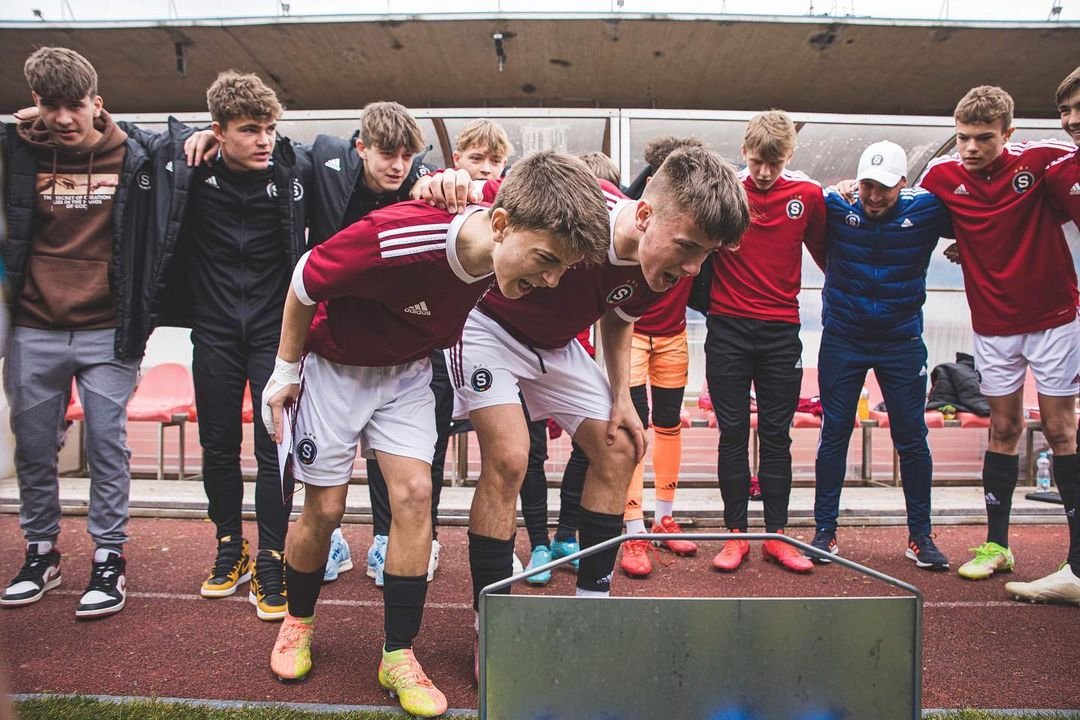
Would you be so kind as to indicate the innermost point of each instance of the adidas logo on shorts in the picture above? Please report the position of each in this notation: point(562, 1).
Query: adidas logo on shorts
point(419, 308)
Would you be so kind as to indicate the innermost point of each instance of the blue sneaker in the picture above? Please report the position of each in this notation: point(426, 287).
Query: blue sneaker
point(562, 548)
point(376, 559)
point(340, 558)
point(541, 555)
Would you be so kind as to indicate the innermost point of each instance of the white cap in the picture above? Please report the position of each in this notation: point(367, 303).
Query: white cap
point(884, 162)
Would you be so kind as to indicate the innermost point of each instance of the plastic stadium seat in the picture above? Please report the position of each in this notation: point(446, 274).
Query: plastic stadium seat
point(165, 395)
point(247, 413)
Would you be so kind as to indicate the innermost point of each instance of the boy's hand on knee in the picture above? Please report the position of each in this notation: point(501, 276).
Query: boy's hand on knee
point(624, 415)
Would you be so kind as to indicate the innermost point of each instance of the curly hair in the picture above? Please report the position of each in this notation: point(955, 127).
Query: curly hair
point(241, 95)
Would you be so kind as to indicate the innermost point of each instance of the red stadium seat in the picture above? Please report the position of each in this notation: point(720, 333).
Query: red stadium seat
point(165, 395)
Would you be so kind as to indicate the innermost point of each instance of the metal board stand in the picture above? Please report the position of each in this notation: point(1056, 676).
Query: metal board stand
point(630, 658)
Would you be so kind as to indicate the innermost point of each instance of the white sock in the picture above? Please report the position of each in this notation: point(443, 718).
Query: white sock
point(664, 508)
point(43, 547)
point(592, 593)
point(102, 554)
point(635, 527)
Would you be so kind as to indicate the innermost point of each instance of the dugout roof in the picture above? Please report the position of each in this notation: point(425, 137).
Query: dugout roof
point(811, 64)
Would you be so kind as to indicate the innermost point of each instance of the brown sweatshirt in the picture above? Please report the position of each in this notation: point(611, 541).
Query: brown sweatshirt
point(67, 274)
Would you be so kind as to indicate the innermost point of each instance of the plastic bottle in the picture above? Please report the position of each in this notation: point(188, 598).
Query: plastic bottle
point(1042, 473)
point(864, 404)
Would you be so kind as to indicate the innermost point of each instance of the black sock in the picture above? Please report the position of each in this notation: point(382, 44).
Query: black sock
point(1000, 473)
point(403, 609)
point(595, 571)
point(303, 590)
point(490, 561)
point(1066, 468)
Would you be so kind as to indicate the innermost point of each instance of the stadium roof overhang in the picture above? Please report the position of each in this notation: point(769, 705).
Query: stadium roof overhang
point(811, 64)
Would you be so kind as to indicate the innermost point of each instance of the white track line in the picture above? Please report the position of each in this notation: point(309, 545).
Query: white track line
point(243, 598)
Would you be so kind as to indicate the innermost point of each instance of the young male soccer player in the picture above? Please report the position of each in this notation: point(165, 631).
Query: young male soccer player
point(78, 195)
point(1063, 188)
point(753, 334)
point(231, 233)
point(693, 205)
point(660, 358)
point(483, 148)
point(1021, 288)
point(379, 297)
point(376, 167)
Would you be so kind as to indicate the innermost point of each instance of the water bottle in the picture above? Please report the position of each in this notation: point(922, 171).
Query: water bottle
point(864, 404)
point(1042, 473)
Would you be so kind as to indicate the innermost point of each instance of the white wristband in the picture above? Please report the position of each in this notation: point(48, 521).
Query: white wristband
point(285, 373)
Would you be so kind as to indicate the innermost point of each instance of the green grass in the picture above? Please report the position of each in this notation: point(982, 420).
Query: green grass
point(88, 709)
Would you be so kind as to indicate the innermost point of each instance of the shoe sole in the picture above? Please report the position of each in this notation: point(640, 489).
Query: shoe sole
point(539, 580)
point(936, 567)
point(291, 681)
point(1045, 601)
point(100, 612)
point(262, 614)
point(821, 559)
point(636, 576)
point(984, 577)
point(225, 593)
point(744, 559)
point(409, 713)
point(662, 545)
point(800, 571)
point(22, 602)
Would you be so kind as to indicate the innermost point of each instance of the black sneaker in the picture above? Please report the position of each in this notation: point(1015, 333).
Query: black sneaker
point(107, 591)
point(825, 541)
point(924, 552)
point(267, 589)
point(231, 568)
point(39, 574)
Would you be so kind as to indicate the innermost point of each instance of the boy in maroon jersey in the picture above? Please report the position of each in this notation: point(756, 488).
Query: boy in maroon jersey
point(1063, 188)
point(378, 297)
point(1021, 288)
point(753, 334)
point(693, 205)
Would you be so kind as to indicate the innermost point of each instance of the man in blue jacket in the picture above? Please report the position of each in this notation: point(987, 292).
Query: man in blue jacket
point(877, 252)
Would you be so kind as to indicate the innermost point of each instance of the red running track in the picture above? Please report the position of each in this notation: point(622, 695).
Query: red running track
point(980, 648)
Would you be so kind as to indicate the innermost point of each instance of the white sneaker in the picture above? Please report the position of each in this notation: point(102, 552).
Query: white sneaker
point(433, 560)
point(376, 559)
point(1060, 587)
point(518, 567)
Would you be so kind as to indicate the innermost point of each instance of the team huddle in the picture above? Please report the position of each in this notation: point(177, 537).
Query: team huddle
point(368, 299)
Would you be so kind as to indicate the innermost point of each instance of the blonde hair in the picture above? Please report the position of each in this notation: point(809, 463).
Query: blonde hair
point(601, 166)
point(235, 95)
point(985, 104)
point(389, 126)
point(771, 135)
point(59, 73)
point(1068, 87)
point(486, 134)
point(555, 193)
point(700, 184)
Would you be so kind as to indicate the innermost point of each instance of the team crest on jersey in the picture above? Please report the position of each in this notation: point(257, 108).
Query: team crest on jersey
point(143, 180)
point(853, 220)
point(795, 209)
point(620, 294)
point(297, 190)
point(307, 451)
point(481, 380)
point(1022, 182)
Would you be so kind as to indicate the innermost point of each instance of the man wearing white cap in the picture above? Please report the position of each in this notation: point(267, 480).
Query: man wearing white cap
point(877, 251)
